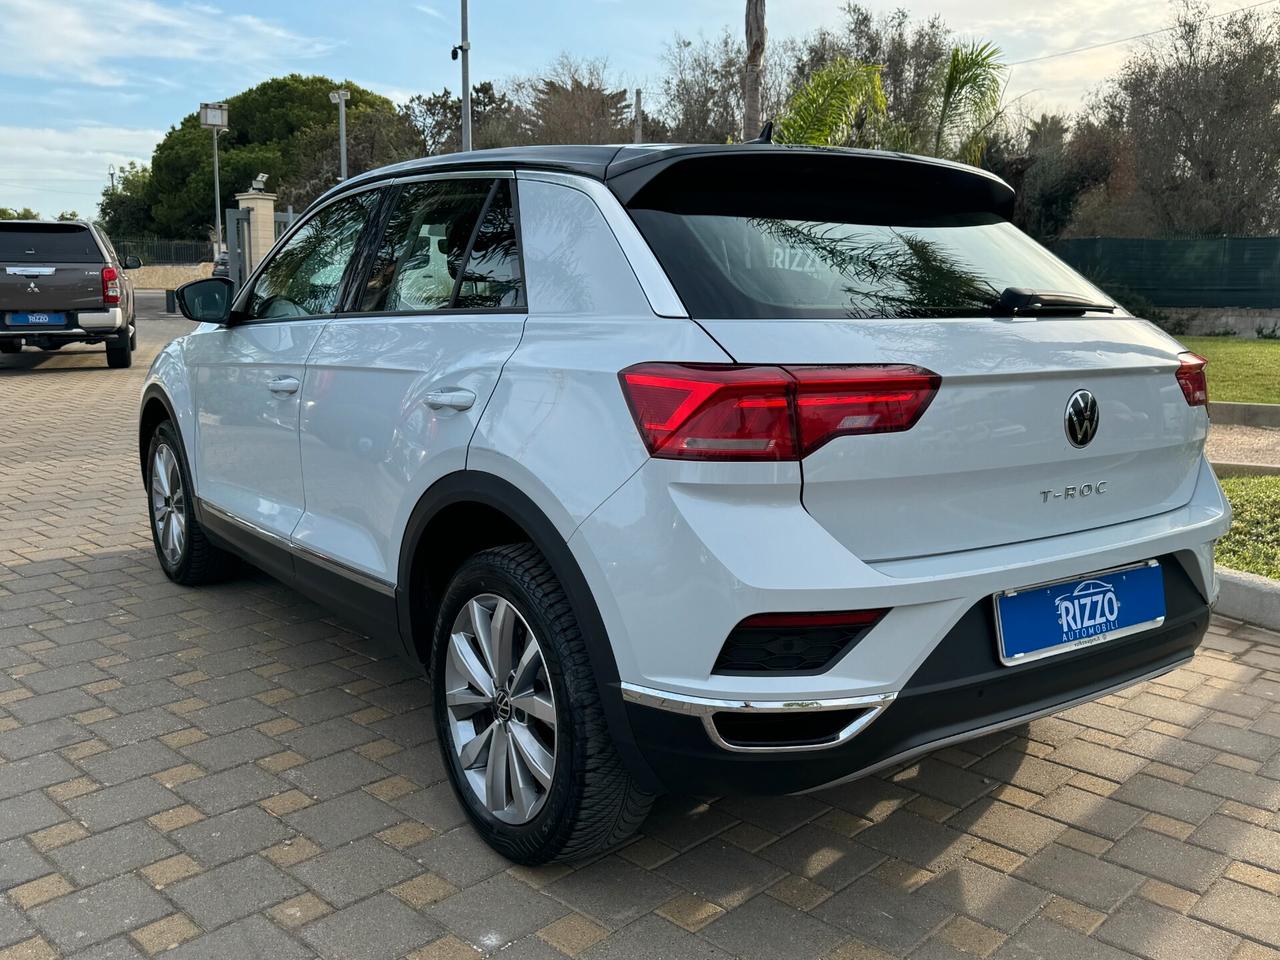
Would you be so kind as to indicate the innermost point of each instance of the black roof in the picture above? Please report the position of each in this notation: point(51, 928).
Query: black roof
point(628, 168)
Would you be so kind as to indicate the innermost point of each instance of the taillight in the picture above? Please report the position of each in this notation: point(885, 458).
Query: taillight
point(1192, 380)
point(732, 412)
point(110, 285)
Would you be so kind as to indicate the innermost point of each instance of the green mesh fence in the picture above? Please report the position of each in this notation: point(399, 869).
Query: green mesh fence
point(1201, 272)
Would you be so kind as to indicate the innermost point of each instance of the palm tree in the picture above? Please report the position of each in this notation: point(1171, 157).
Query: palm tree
point(970, 101)
point(752, 80)
point(835, 107)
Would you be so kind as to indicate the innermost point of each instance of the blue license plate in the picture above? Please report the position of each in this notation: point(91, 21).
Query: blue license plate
point(37, 319)
point(1054, 618)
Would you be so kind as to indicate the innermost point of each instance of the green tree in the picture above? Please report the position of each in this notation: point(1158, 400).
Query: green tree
point(18, 213)
point(841, 105)
point(126, 210)
point(969, 101)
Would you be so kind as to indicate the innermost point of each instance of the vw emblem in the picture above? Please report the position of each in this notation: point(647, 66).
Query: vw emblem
point(1082, 418)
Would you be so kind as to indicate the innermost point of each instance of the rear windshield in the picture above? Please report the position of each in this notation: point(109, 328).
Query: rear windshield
point(789, 253)
point(47, 243)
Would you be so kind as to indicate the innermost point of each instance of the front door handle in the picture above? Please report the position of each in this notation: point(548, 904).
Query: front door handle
point(455, 398)
point(283, 386)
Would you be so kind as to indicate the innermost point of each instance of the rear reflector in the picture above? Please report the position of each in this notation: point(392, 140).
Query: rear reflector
point(110, 285)
point(793, 643)
point(732, 412)
point(844, 618)
point(1192, 380)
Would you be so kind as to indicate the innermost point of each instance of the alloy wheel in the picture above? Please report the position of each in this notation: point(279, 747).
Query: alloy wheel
point(168, 504)
point(501, 708)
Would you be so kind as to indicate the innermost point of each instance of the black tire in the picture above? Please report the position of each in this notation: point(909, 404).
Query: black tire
point(592, 803)
point(133, 336)
point(120, 351)
point(10, 346)
point(201, 562)
point(51, 347)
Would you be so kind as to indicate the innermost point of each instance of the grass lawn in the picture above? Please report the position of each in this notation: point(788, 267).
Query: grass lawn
point(1243, 371)
point(1253, 544)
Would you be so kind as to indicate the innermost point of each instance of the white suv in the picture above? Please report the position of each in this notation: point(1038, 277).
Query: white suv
point(728, 468)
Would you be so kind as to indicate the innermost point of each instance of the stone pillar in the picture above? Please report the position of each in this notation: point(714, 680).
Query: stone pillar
point(262, 223)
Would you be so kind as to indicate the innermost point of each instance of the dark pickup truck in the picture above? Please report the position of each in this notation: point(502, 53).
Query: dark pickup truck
point(63, 283)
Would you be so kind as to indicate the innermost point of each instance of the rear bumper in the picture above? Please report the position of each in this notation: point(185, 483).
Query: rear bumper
point(86, 323)
point(961, 691)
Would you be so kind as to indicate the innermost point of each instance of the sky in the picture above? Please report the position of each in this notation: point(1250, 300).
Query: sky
point(84, 85)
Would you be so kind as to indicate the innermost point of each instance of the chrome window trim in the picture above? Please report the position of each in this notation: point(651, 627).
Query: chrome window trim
point(302, 552)
point(475, 174)
point(653, 281)
point(706, 708)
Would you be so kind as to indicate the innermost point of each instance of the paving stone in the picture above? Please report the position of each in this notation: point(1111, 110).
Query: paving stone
point(884, 916)
point(35, 738)
point(720, 872)
point(130, 762)
point(231, 749)
point(1096, 759)
point(906, 836)
point(63, 678)
point(1171, 799)
point(48, 706)
point(612, 891)
point(335, 775)
point(19, 863)
point(777, 815)
point(1238, 785)
point(99, 913)
point(133, 727)
point(140, 696)
point(23, 776)
point(496, 912)
point(13, 925)
point(1007, 825)
point(684, 822)
point(764, 929)
point(1078, 876)
point(818, 854)
point(343, 819)
point(234, 686)
point(1151, 931)
point(1169, 750)
point(231, 835)
point(31, 811)
point(380, 928)
point(323, 705)
point(254, 936)
point(1244, 743)
point(112, 806)
point(329, 736)
point(1240, 841)
point(989, 897)
point(1168, 859)
point(944, 782)
point(232, 891)
point(1022, 770)
point(233, 715)
point(1088, 811)
point(1241, 909)
point(460, 856)
point(220, 792)
point(355, 871)
point(108, 854)
point(408, 729)
point(1043, 940)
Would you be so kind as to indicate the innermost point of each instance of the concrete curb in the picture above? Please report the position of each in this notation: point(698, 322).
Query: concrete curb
point(1223, 469)
point(1245, 414)
point(1249, 597)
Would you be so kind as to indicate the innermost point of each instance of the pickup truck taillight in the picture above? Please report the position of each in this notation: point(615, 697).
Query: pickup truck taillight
point(110, 285)
point(691, 411)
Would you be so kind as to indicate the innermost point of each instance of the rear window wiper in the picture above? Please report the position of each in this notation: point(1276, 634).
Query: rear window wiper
point(1023, 302)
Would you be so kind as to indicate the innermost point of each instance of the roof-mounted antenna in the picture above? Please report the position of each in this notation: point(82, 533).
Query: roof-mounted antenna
point(766, 133)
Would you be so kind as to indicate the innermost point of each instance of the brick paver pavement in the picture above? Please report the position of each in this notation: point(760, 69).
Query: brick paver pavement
point(228, 773)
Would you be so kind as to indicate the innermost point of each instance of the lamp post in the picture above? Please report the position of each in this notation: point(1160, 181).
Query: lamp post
point(340, 97)
point(464, 48)
point(214, 116)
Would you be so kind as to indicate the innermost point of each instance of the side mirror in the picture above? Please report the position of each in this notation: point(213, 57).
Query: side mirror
point(206, 301)
point(132, 263)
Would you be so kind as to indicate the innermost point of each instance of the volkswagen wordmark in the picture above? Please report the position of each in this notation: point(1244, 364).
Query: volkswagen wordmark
point(709, 469)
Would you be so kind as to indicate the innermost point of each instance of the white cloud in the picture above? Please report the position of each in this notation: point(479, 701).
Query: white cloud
point(429, 11)
point(54, 170)
point(76, 40)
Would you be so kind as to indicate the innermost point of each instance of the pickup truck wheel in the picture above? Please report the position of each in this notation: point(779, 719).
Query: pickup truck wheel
point(133, 337)
point(184, 552)
point(120, 351)
point(10, 346)
point(521, 726)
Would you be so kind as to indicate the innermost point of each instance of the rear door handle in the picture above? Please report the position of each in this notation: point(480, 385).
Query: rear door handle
point(283, 386)
point(456, 398)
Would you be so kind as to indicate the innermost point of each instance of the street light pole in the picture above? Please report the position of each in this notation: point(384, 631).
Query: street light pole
point(465, 47)
point(214, 116)
point(340, 97)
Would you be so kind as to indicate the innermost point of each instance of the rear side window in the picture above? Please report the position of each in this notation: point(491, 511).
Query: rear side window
point(304, 276)
point(447, 243)
point(808, 248)
point(47, 243)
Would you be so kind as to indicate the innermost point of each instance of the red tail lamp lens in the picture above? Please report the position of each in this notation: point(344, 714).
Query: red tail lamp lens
point(1191, 378)
point(735, 412)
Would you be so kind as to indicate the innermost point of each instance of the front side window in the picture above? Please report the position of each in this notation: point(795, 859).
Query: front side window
point(433, 256)
point(304, 277)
